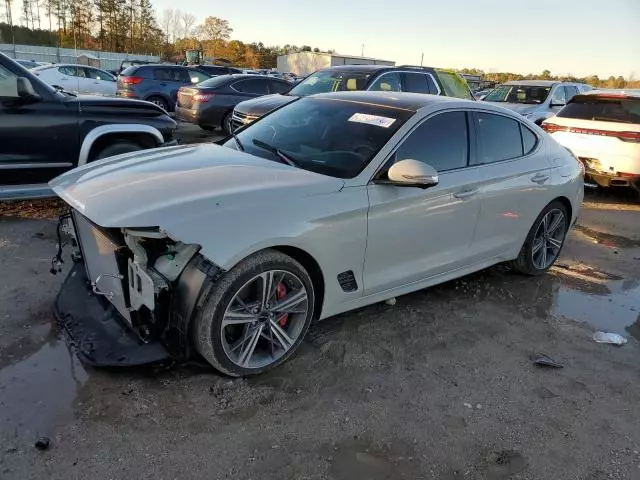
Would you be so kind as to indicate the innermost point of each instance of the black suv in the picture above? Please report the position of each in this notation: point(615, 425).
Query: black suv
point(45, 131)
point(435, 81)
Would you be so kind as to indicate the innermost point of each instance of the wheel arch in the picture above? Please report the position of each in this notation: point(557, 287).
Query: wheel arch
point(99, 137)
point(567, 204)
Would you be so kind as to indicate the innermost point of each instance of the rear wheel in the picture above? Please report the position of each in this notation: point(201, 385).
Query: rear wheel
point(159, 101)
point(255, 317)
point(544, 241)
point(117, 148)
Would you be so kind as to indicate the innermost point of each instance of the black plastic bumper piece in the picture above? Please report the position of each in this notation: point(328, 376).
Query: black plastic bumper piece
point(95, 329)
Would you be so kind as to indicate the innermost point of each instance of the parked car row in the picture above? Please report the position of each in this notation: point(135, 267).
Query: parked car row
point(46, 131)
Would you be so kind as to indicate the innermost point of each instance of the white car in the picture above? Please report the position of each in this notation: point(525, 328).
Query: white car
point(78, 78)
point(602, 128)
point(331, 203)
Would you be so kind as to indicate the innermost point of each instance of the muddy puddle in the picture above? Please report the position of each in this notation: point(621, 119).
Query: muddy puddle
point(614, 307)
point(37, 390)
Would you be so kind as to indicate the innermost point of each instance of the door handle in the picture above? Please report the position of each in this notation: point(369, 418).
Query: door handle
point(540, 178)
point(466, 193)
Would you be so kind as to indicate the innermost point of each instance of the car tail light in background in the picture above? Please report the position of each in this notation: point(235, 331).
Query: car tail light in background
point(628, 175)
point(131, 80)
point(203, 97)
point(552, 127)
point(624, 136)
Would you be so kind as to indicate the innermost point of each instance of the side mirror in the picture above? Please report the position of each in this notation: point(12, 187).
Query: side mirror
point(412, 173)
point(26, 92)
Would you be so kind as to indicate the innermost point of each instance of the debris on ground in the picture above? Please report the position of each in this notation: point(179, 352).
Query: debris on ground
point(543, 360)
point(611, 338)
point(43, 443)
point(391, 301)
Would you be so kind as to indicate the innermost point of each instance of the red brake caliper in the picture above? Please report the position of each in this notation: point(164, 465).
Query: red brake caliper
point(281, 292)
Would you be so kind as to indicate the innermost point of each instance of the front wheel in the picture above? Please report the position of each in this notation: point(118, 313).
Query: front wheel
point(544, 241)
point(117, 148)
point(255, 317)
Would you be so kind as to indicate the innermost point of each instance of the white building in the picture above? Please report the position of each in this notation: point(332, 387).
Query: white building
point(304, 63)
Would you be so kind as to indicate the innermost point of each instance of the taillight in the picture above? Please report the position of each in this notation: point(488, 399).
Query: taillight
point(131, 80)
point(628, 175)
point(552, 127)
point(203, 97)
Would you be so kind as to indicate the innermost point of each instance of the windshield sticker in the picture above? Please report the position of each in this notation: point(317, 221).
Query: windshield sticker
point(384, 122)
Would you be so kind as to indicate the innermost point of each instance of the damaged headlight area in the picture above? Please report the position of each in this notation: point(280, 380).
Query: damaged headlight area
point(118, 301)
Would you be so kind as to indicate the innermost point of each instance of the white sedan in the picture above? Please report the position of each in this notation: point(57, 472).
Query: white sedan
point(331, 203)
point(78, 78)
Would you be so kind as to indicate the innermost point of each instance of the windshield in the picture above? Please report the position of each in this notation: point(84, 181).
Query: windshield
point(332, 137)
point(603, 109)
point(518, 94)
point(326, 81)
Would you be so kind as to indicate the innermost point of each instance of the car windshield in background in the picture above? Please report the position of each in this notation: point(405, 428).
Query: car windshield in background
point(331, 81)
point(603, 109)
point(518, 94)
point(332, 137)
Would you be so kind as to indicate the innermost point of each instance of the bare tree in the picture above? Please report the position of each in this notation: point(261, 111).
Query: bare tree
point(175, 24)
point(188, 20)
point(167, 22)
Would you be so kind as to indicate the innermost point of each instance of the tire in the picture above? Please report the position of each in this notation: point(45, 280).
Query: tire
point(529, 262)
point(117, 148)
point(226, 124)
point(225, 327)
point(207, 128)
point(159, 101)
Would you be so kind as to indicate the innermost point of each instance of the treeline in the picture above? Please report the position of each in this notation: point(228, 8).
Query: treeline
point(594, 80)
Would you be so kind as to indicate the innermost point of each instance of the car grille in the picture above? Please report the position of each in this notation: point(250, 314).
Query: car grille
point(103, 253)
point(239, 119)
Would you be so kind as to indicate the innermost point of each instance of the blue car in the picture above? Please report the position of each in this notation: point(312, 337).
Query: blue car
point(158, 84)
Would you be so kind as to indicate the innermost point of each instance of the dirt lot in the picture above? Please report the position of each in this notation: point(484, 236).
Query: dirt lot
point(441, 385)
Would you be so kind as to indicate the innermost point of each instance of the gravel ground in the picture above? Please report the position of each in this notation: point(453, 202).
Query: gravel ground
point(439, 386)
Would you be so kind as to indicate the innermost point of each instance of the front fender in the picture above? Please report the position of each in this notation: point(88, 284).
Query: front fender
point(103, 130)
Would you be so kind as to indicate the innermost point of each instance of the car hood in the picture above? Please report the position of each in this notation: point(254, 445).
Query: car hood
point(521, 108)
point(165, 187)
point(261, 105)
point(91, 102)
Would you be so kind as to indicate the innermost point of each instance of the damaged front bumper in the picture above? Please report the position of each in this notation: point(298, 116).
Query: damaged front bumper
point(130, 296)
point(95, 328)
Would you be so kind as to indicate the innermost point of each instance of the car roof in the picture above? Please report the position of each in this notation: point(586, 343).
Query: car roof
point(614, 93)
point(533, 83)
point(401, 100)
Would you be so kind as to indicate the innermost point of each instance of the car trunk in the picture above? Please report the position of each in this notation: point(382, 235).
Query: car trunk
point(185, 97)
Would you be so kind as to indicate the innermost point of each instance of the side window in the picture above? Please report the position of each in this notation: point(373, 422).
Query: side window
point(8, 83)
point(99, 75)
point(257, 86)
point(441, 141)
point(161, 74)
point(557, 98)
point(68, 71)
point(388, 82)
point(197, 77)
point(570, 92)
point(279, 87)
point(499, 137)
point(416, 83)
point(529, 140)
point(433, 88)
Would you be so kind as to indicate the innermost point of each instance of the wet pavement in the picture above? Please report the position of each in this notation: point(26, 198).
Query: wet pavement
point(352, 402)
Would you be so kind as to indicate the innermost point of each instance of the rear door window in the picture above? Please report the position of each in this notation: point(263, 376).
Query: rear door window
point(387, 82)
point(591, 107)
point(416, 83)
point(454, 85)
point(68, 71)
point(279, 87)
point(256, 86)
point(170, 75)
point(499, 137)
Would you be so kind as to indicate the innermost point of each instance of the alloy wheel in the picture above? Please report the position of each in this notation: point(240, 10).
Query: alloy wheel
point(548, 239)
point(264, 319)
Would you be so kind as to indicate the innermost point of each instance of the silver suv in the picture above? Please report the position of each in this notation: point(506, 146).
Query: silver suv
point(536, 100)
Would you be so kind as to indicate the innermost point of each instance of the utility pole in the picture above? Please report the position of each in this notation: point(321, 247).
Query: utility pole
point(362, 52)
point(421, 58)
